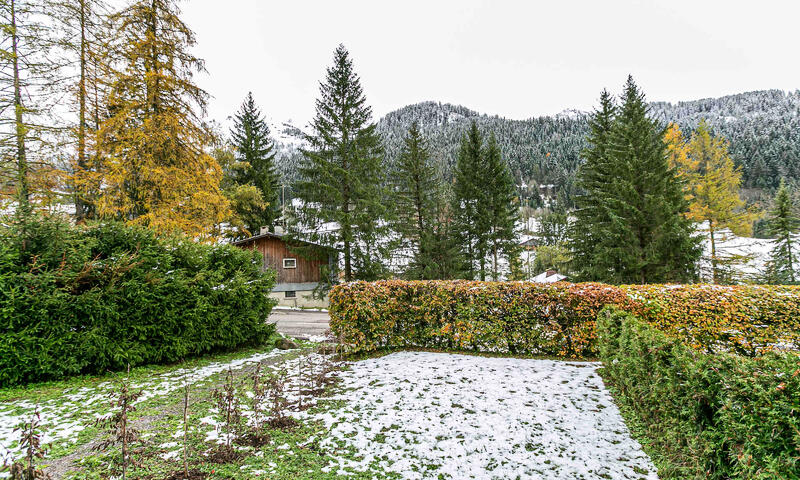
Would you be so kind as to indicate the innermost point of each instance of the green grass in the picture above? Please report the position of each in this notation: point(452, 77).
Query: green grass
point(52, 389)
point(160, 418)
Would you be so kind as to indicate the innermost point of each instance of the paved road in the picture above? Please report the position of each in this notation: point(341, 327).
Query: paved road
point(300, 323)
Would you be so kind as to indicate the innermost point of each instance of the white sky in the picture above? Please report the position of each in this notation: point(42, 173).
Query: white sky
point(517, 59)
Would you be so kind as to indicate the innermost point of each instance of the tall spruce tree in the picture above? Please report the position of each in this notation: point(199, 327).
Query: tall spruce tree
point(342, 176)
point(256, 165)
point(503, 207)
point(469, 204)
point(416, 186)
point(440, 254)
point(592, 220)
point(784, 224)
point(636, 219)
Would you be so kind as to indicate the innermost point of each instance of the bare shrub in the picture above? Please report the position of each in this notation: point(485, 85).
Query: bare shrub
point(31, 443)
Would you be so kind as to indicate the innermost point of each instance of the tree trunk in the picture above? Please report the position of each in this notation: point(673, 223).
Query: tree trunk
point(23, 188)
point(494, 266)
point(789, 256)
point(714, 263)
point(80, 201)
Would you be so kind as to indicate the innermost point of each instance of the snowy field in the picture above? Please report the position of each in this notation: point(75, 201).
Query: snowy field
point(433, 415)
point(419, 415)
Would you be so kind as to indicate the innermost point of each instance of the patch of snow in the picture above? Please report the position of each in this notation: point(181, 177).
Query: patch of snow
point(426, 415)
point(64, 417)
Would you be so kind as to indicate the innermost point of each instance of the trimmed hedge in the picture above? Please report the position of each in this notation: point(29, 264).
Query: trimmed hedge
point(716, 416)
point(557, 319)
point(515, 317)
point(745, 319)
point(77, 300)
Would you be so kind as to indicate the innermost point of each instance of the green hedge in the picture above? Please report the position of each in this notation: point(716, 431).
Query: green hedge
point(558, 319)
point(79, 300)
point(714, 416)
point(515, 317)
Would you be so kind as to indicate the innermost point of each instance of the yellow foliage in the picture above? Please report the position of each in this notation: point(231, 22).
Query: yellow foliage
point(155, 170)
point(711, 183)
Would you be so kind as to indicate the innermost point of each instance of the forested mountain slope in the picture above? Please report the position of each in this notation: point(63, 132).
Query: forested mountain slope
point(763, 128)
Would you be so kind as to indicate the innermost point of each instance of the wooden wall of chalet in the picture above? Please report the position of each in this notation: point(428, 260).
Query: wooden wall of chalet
point(274, 250)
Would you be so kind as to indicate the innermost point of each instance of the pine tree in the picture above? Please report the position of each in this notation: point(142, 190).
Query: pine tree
point(711, 184)
point(415, 183)
point(503, 207)
point(256, 165)
point(784, 224)
point(469, 203)
point(156, 170)
point(634, 214)
point(342, 175)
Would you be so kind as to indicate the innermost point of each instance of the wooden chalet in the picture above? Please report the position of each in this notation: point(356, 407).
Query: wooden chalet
point(299, 266)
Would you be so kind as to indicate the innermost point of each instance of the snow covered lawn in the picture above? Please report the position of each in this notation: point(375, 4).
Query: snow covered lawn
point(434, 415)
point(63, 417)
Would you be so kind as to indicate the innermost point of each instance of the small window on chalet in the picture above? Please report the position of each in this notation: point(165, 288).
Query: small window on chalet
point(289, 263)
point(290, 294)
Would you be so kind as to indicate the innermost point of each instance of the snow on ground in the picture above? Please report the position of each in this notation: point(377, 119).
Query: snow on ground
point(64, 417)
point(754, 253)
point(429, 414)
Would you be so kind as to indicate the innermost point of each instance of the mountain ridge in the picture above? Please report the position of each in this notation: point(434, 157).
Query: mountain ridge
point(762, 126)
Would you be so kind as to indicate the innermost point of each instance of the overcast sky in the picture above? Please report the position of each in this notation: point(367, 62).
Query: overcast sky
point(516, 59)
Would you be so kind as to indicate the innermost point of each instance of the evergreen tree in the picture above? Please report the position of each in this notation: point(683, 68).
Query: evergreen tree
point(503, 207)
point(553, 227)
point(439, 256)
point(469, 203)
point(784, 225)
point(416, 184)
point(636, 217)
point(589, 231)
point(342, 176)
point(256, 166)
point(156, 171)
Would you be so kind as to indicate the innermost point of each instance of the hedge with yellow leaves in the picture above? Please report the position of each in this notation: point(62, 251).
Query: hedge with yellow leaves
point(556, 319)
point(745, 319)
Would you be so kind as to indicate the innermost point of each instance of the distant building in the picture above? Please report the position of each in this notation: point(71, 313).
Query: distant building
point(299, 266)
point(549, 276)
point(530, 243)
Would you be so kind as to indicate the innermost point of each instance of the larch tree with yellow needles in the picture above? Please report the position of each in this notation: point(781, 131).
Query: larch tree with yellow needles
point(157, 171)
point(711, 184)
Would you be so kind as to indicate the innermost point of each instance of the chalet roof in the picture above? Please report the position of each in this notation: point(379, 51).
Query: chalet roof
point(529, 241)
point(278, 236)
